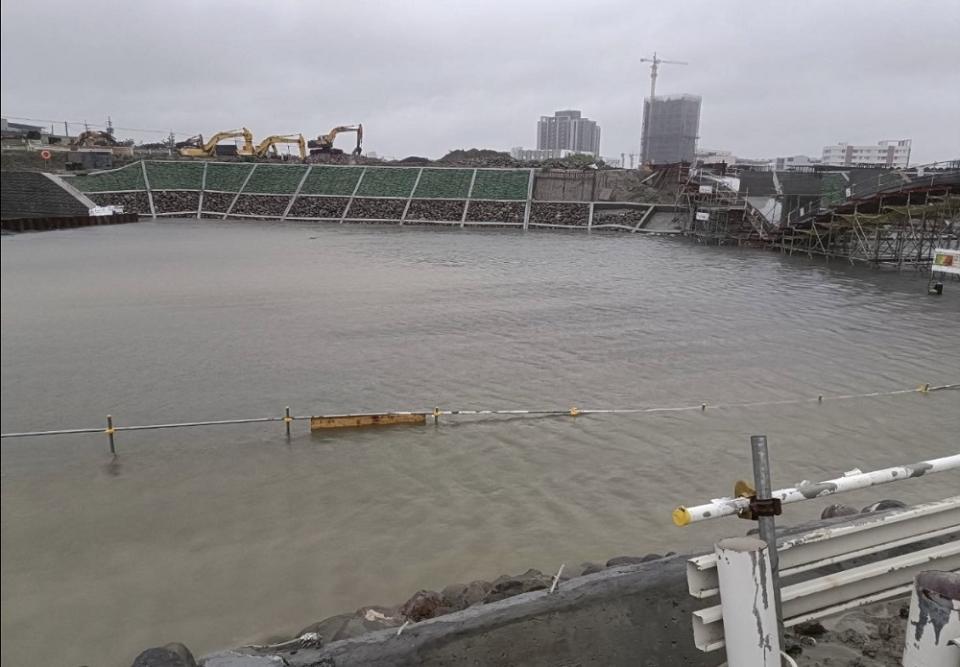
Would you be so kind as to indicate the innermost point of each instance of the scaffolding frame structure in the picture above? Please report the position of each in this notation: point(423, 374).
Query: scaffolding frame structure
point(898, 221)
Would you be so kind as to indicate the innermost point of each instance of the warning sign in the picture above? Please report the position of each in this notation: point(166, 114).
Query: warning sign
point(946, 261)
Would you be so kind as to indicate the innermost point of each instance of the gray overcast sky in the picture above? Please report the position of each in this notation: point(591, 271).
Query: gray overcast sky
point(776, 78)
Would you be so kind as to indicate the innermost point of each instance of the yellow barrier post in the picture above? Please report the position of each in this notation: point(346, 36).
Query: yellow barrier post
point(287, 419)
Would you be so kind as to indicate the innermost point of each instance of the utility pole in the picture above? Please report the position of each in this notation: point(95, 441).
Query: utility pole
point(654, 64)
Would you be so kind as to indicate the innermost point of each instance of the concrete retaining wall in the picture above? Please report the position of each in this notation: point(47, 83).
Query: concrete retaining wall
point(461, 197)
point(30, 194)
point(630, 615)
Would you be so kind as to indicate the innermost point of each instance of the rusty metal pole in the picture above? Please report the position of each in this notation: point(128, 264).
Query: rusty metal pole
point(110, 431)
point(768, 528)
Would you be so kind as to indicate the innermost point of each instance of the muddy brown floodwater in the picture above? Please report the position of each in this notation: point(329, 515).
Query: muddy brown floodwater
point(220, 536)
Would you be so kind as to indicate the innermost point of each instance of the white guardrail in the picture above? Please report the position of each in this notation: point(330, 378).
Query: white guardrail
point(853, 587)
point(868, 558)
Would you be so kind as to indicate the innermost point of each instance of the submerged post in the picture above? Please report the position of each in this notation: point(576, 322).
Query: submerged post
point(750, 629)
point(110, 432)
point(287, 419)
point(765, 515)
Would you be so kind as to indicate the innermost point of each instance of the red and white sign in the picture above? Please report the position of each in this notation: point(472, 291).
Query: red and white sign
point(45, 154)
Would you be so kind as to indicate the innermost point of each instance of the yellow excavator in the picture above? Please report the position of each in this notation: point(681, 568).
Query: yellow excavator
point(268, 146)
point(324, 143)
point(197, 147)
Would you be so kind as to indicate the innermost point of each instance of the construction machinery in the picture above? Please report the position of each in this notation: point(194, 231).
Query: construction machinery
point(92, 138)
point(197, 147)
point(324, 142)
point(268, 147)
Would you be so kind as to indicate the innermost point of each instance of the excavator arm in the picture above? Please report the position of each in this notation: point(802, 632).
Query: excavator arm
point(270, 143)
point(196, 147)
point(324, 142)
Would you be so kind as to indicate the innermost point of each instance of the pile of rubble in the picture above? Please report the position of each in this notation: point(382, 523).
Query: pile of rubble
point(132, 202)
point(217, 201)
point(175, 201)
point(568, 215)
point(495, 211)
point(271, 206)
point(377, 209)
point(318, 207)
point(435, 209)
point(618, 216)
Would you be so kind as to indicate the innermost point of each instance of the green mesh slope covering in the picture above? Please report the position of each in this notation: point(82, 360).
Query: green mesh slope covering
point(444, 183)
point(387, 182)
point(501, 184)
point(225, 176)
point(275, 178)
point(175, 175)
point(328, 180)
point(125, 178)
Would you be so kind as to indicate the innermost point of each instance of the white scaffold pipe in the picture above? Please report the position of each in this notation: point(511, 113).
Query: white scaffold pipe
point(805, 490)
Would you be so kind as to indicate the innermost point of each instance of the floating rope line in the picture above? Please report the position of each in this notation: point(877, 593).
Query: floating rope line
point(403, 416)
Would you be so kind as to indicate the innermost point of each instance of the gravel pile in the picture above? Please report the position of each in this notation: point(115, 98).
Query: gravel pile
point(495, 211)
point(571, 215)
point(367, 209)
point(433, 209)
point(318, 207)
point(268, 206)
point(173, 201)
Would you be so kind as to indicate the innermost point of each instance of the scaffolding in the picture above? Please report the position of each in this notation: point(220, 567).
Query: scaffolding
point(718, 215)
point(899, 229)
point(896, 221)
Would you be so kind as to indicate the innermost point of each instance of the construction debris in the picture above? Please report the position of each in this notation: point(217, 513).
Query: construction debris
point(318, 207)
point(132, 202)
point(172, 201)
point(435, 209)
point(495, 211)
point(266, 205)
point(376, 209)
point(568, 215)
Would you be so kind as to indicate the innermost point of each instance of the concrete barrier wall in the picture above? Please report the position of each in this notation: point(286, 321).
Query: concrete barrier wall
point(30, 194)
point(630, 615)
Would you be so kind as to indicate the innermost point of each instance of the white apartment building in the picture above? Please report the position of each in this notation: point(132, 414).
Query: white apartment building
point(887, 153)
point(792, 162)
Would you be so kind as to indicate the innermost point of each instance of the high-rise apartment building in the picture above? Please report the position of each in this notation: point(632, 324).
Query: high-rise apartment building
point(889, 153)
point(568, 130)
point(671, 134)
